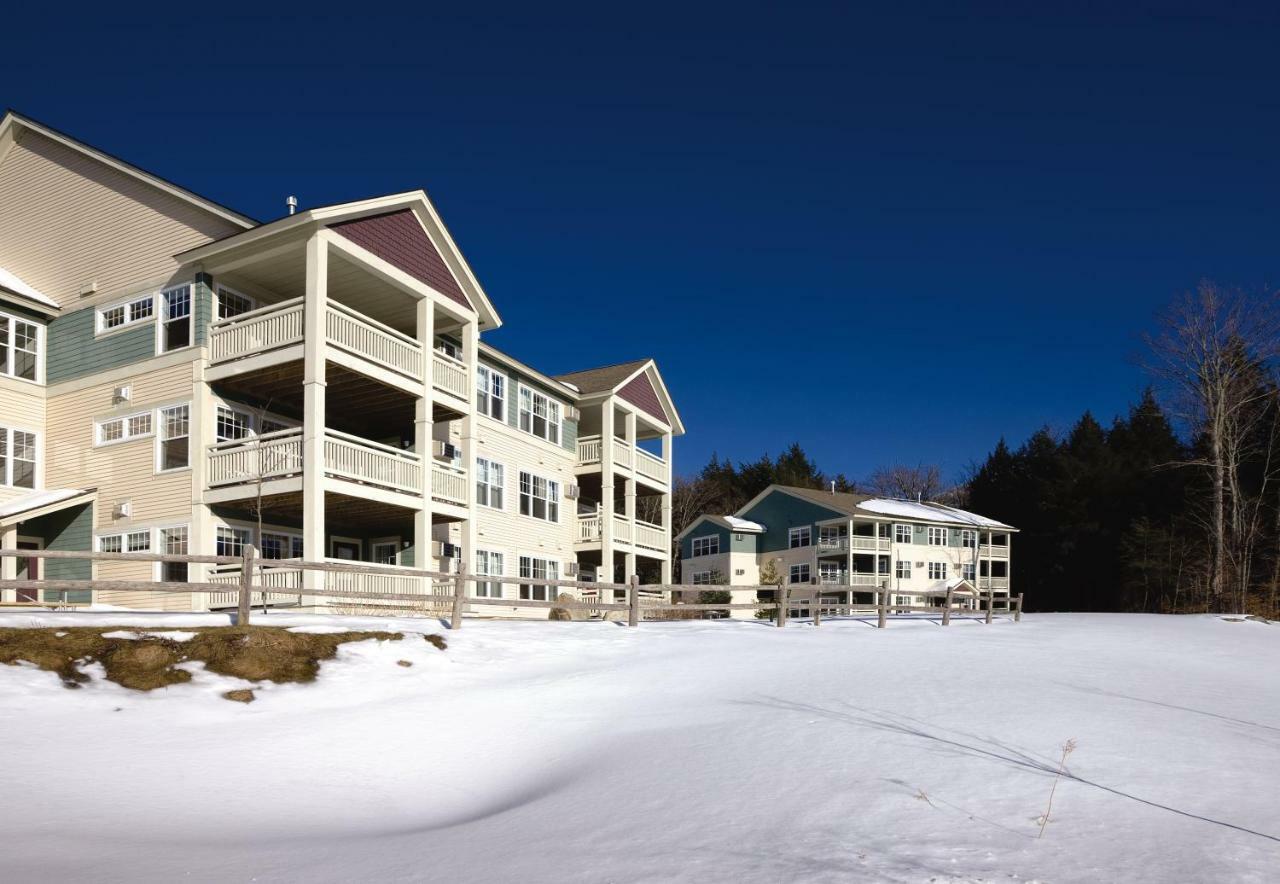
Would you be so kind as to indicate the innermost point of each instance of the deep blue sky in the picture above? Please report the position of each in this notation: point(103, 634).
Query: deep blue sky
point(892, 236)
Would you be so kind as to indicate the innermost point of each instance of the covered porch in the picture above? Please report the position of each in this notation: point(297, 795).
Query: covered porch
point(57, 519)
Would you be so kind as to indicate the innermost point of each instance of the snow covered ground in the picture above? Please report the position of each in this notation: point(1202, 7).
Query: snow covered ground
point(694, 751)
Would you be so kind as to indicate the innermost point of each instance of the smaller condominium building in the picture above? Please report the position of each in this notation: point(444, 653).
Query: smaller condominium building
point(852, 545)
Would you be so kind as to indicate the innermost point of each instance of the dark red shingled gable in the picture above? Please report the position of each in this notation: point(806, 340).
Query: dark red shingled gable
point(640, 393)
point(399, 239)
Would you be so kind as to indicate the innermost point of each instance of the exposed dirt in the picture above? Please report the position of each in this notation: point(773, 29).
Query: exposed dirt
point(253, 653)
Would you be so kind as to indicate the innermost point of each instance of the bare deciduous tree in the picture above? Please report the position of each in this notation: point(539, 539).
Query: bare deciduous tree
point(923, 481)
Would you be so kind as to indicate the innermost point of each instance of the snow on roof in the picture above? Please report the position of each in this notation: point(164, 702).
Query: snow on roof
point(38, 499)
point(927, 512)
point(17, 286)
point(743, 525)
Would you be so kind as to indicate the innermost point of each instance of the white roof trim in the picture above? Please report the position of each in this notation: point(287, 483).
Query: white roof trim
point(11, 282)
point(38, 503)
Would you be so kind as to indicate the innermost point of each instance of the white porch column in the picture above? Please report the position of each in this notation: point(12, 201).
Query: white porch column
point(606, 490)
point(200, 536)
point(470, 353)
point(313, 399)
point(666, 508)
point(422, 426)
point(9, 564)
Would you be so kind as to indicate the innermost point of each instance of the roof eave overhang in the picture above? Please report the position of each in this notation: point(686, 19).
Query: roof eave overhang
point(21, 300)
point(87, 496)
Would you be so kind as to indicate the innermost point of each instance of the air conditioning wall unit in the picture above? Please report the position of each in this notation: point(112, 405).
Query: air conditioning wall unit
point(572, 413)
point(122, 509)
point(442, 549)
point(122, 394)
point(446, 450)
point(571, 492)
point(571, 569)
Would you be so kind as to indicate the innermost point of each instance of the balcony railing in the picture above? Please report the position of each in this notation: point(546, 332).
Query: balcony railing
point(588, 528)
point(646, 465)
point(993, 582)
point(449, 484)
point(995, 551)
point(368, 338)
point(641, 534)
point(282, 576)
point(448, 375)
point(833, 545)
point(267, 328)
point(588, 450)
point(651, 466)
point(860, 541)
point(371, 463)
point(650, 536)
point(621, 529)
point(269, 456)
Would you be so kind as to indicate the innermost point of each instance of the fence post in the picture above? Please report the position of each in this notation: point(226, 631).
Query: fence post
point(817, 602)
point(633, 601)
point(991, 603)
point(459, 595)
point(946, 612)
point(780, 613)
point(1017, 613)
point(883, 595)
point(246, 581)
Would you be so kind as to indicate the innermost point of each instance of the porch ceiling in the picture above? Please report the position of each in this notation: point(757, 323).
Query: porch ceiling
point(343, 514)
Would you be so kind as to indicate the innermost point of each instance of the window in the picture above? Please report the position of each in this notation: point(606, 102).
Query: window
point(903, 601)
point(739, 537)
point(489, 480)
point(538, 569)
point(491, 392)
point(231, 541)
point(902, 533)
point(175, 441)
point(19, 348)
point(937, 570)
point(802, 536)
point(539, 415)
point(539, 497)
point(969, 539)
point(124, 429)
point(706, 578)
point(111, 543)
point(130, 541)
point(902, 569)
point(489, 564)
point(832, 536)
point(175, 330)
point(882, 565)
point(278, 545)
point(706, 546)
point(17, 458)
point(966, 571)
point(229, 303)
point(128, 313)
point(230, 424)
point(173, 542)
point(937, 536)
point(830, 572)
point(449, 347)
point(799, 573)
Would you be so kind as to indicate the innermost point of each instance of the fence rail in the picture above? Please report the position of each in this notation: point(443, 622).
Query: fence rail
point(355, 582)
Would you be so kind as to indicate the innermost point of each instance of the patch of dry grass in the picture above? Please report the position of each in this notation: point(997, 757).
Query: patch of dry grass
point(253, 653)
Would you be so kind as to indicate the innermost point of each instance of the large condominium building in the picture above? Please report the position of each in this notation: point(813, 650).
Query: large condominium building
point(174, 373)
point(852, 545)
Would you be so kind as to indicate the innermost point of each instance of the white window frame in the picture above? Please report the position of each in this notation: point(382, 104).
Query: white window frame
point(551, 501)
point(218, 292)
point(551, 571)
point(799, 568)
point(161, 546)
point(937, 536)
point(9, 348)
point(292, 543)
point(937, 570)
point(489, 563)
point(902, 569)
point(803, 533)
point(902, 533)
point(129, 321)
point(163, 320)
point(489, 379)
point(829, 572)
point(161, 430)
point(551, 406)
point(491, 484)
point(968, 539)
point(129, 540)
point(710, 544)
point(127, 433)
point(968, 571)
point(8, 445)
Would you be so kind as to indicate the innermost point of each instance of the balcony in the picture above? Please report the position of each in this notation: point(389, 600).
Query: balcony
point(287, 580)
point(641, 463)
point(640, 534)
point(998, 583)
point(273, 334)
point(272, 457)
point(994, 551)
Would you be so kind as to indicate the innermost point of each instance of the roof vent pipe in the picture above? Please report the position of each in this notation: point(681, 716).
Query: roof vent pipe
point(292, 203)
point(833, 486)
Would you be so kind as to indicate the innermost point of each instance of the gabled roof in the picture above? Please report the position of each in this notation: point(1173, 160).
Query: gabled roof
point(733, 523)
point(13, 122)
point(638, 382)
point(40, 503)
point(382, 206)
point(487, 349)
point(11, 284)
point(869, 506)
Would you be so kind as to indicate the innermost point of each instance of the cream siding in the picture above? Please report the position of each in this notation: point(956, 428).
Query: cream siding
point(122, 471)
point(69, 220)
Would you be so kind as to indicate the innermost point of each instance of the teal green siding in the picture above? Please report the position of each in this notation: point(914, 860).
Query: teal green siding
point(69, 529)
point(75, 352)
point(202, 305)
point(780, 511)
point(704, 529)
point(568, 428)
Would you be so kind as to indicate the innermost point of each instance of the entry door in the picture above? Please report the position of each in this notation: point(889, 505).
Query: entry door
point(387, 552)
point(346, 549)
point(28, 569)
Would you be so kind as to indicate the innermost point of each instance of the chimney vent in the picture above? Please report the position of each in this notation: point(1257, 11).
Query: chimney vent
point(292, 203)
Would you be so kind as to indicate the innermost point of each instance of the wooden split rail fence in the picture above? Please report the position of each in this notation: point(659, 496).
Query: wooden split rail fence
point(639, 598)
